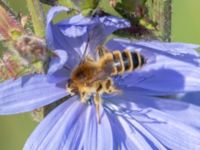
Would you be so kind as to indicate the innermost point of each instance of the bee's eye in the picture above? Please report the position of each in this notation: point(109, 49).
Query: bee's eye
point(80, 75)
point(69, 82)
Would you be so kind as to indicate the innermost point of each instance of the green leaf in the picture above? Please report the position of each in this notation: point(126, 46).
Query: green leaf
point(66, 3)
point(49, 2)
point(104, 5)
point(15, 34)
point(129, 5)
point(87, 7)
point(89, 4)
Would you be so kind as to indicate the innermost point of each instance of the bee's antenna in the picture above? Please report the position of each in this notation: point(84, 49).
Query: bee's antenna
point(86, 48)
point(67, 68)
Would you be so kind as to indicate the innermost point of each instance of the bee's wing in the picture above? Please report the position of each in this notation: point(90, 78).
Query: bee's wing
point(86, 50)
point(94, 39)
point(104, 73)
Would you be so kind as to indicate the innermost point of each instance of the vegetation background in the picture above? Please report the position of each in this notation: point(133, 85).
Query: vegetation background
point(14, 130)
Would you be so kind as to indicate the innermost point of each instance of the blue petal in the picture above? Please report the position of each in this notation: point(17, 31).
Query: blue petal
point(137, 136)
point(55, 38)
point(128, 137)
point(51, 14)
point(72, 125)
point(28, 93)
point(184, 111)
point(78, 20)
point(57, 67)
point(117, 130)
point(112, 23)
point(161, 125)
point(62, 74)
point(191, 97)
point(50, 133)
point(176, 49)
point(79, 34)
point(172, 133)
point(58, 61)
point(99, 135)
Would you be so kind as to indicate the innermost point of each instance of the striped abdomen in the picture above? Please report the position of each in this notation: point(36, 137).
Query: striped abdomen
point(126, 61)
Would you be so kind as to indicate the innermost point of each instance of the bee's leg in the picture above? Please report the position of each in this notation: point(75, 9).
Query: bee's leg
point(97, 101)
point(90, 59)
point(84, 97)
point(101, 50)
point(109, 87)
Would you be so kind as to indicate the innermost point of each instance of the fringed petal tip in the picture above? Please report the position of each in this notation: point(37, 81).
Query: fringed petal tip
point(54, 11)
point(115, 22)
point(79, 25)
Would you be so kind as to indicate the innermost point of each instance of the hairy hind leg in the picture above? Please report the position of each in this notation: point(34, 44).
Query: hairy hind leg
point(97, 101)
point(109, 87)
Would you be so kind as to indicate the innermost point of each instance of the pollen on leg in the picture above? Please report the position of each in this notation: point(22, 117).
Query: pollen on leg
point(83, 97)
point(108, 83)
point(99, 88)
point(108, 86)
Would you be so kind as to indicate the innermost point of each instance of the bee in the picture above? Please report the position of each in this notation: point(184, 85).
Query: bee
point(93, 78)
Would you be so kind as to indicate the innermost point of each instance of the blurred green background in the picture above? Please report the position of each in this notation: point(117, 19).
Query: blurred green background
point(14, 130)
point(186, 21)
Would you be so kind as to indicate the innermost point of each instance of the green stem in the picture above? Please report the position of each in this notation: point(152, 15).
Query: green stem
point(160, 12)
point(37, 16)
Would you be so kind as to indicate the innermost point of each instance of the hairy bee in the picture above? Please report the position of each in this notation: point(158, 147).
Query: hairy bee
point(93, 78)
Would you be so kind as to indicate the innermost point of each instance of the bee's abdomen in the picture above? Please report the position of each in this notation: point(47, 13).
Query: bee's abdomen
point(126, 61)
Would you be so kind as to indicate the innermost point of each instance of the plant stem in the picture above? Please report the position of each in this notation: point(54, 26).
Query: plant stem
point(37, 16)
point(160, 11)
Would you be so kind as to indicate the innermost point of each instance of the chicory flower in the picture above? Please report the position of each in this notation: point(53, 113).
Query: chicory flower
point(146, 115)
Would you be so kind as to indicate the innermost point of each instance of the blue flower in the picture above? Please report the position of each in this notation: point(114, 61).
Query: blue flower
point(147, 115)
